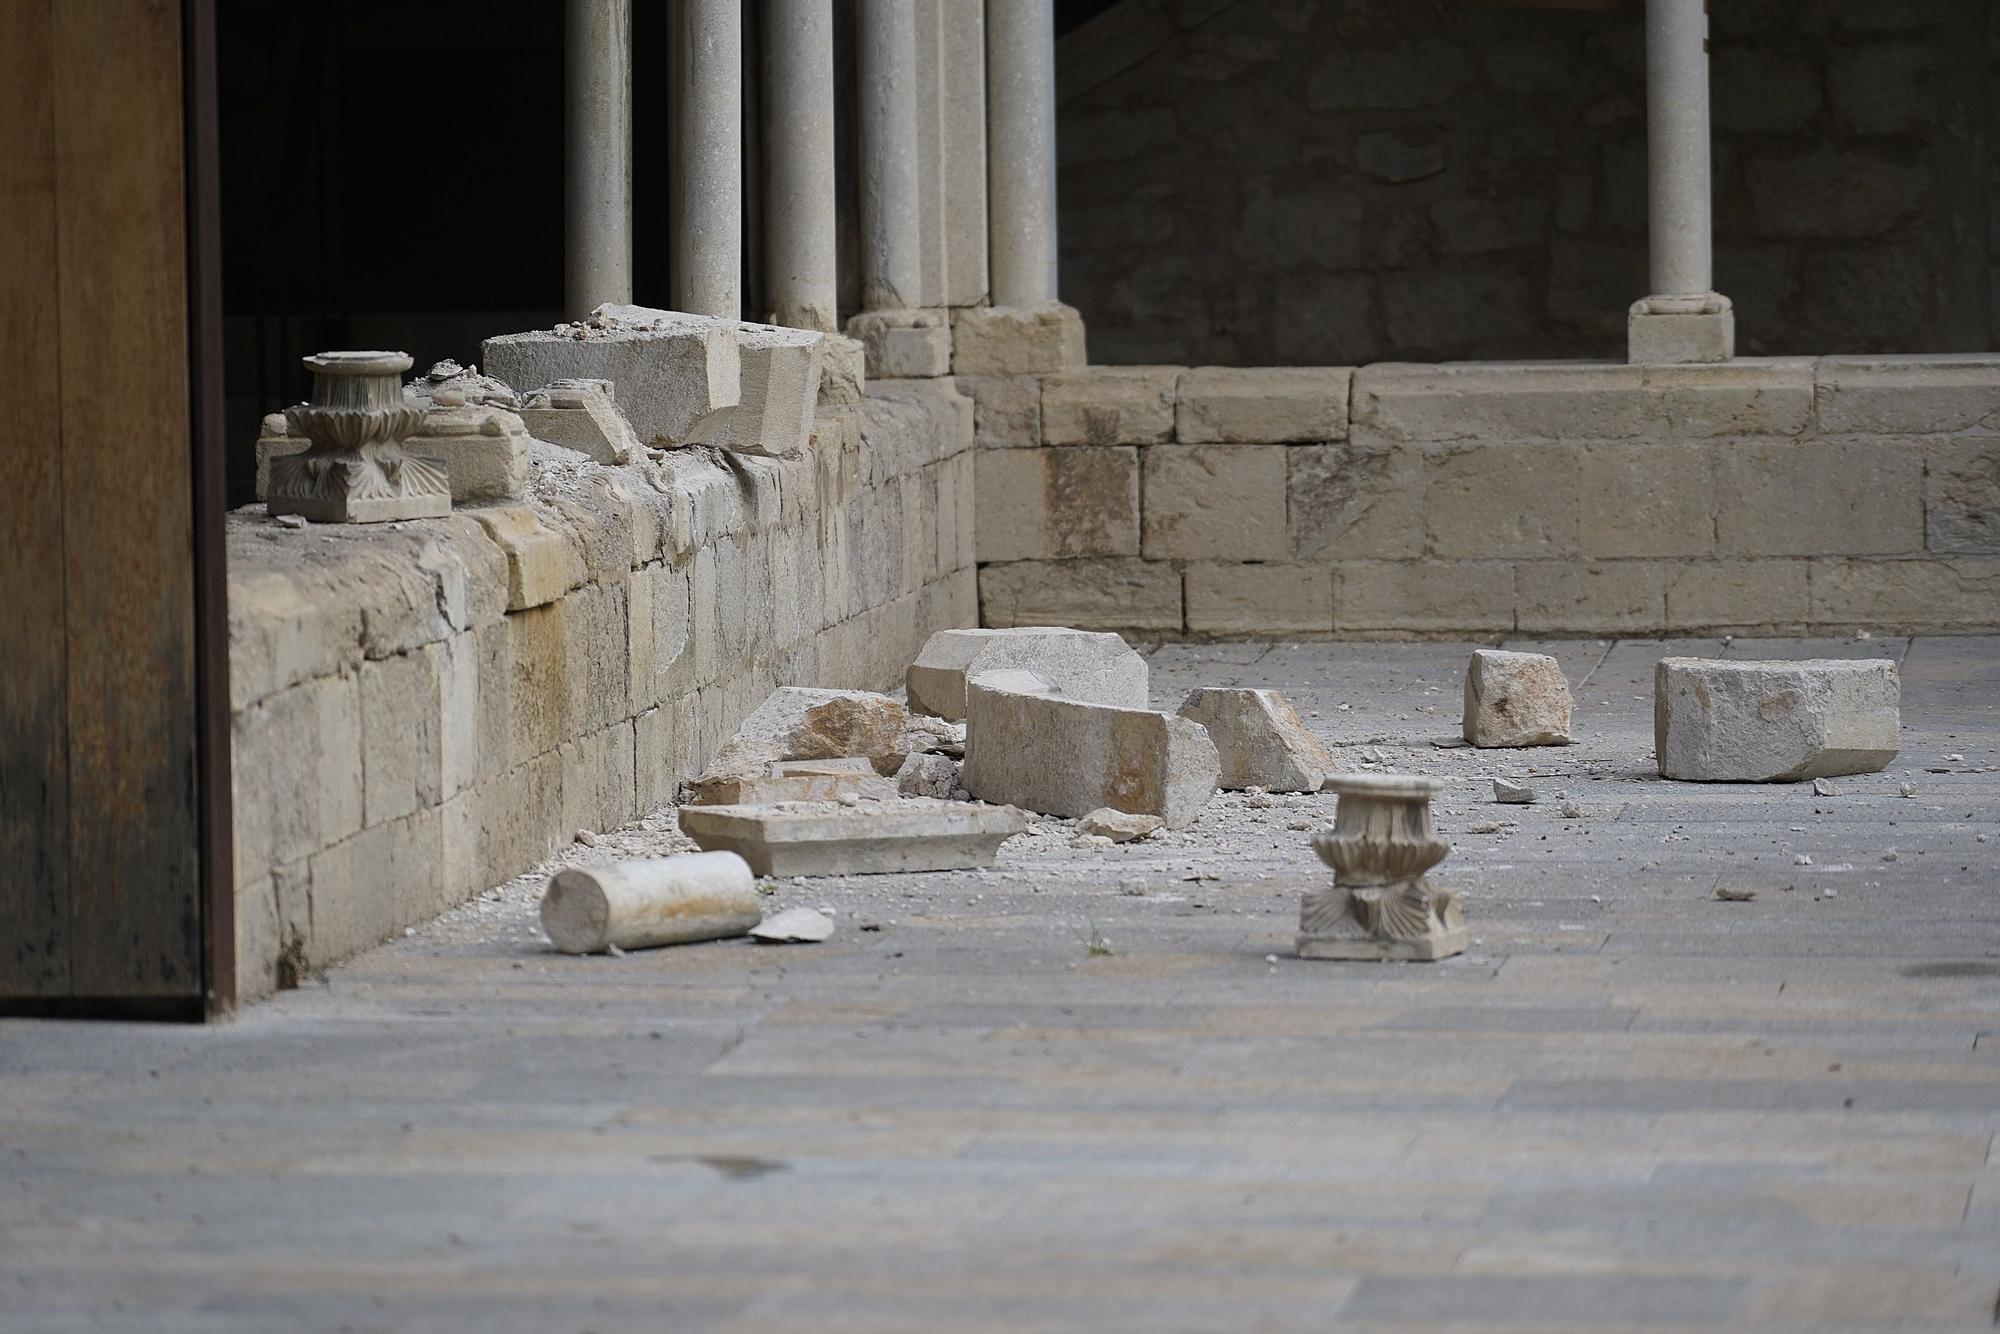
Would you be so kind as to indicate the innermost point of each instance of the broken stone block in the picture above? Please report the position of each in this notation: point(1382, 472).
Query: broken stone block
point(1261, 740)
point(1513, 794)
point(1016, 340)
point(914, 834)
point(1515, 699)
point(1119, 826)
point(779, 392)
point(793, 926)
point(640, 904)
point(925, 735)
point(824, 785)
point(1028, 746)
point(485, 449)
point(843, 372)
point(275, 440)
point(1092, 667)
point(928, 776)
point(581, 415)
point(903, 344)
point(1774, 722)
point(798, 723)
point(674, 373)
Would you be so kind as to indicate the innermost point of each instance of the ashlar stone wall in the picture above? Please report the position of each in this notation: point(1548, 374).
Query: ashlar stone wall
point(1482, 499)
point(423, 710)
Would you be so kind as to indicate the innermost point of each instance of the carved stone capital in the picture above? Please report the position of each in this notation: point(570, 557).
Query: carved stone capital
point(1381, 906)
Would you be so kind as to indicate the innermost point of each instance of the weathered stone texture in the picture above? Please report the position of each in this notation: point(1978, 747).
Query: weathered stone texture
point(1092, 667)
point(1355, 500)
point(1002, 340)
point(1109, 405)
point(1581, 597)
point(1215, 501)
point(1046, 504)
point(1088, 594)
point(1507, 500)
point(1006, 410)
point(1260, 739)
point(1217, 405)
point(1762, 722)
point(1423, 597)
point(1820, 497)
point(1515, 699)
point(1259, 599)
point(1962, 496)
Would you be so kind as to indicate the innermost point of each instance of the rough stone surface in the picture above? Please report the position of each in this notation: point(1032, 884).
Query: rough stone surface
point(800, 723)
point(1119, 826)
point(928, 775)
point(1267, 405)
point(1093, 594)
point(1006, 413)
point(815, 838)
point(1016, 340)
point(673, 374)
point(1260, 739)
point(1109, 405)
point(581, 415)
point(904, 344)
point(1770, 722)
point(793, 926)
point(1087, 666)
point(1048, 504)
point(843, 371)
point(1516, 699)
point(798, 781)
point(1027, 746)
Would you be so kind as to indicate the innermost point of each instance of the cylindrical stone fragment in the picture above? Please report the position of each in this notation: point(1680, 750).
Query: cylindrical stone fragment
point(892, 259)
point(1021, 150)
point(1677, 146)
point(706, 191)
point(597, 155)
point(637, 905)
point(799, 137)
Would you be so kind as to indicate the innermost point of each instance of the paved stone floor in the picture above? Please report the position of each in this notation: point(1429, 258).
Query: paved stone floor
point(1091, 1090)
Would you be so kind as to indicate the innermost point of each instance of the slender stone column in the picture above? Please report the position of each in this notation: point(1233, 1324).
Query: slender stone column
point(892, 259)
point(597, 154)
point(1021, 149)
point(1684, 319)
point(798, 64)
point(707, 184)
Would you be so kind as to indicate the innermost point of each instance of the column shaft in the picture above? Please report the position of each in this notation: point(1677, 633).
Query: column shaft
point(1021, 150)
point(891, 238)
point(1677, 146)
point(707, 185)
point(799, 144)
point(597, 154)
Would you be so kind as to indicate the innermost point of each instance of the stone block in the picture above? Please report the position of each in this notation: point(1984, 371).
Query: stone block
point(1737, 595)
point(1092, 668)
point(1674, 331)
point(599, 788)
point(910, 834)
point(1460, 597)
point(1504, 401)
point(1006, 410)
point(1515, 699)
point(1113, 594)
point(402, 762)
point(1771, 722)
point(1646, 499)
point(581, 415)
point(928, 776)
point(1498, 500)
point(1935, 593)
point(779, 391)
point(485, 451)
point(1361, 500)
point(1266, 405)
point(1259, 739)
point(1047, 504)
point(1744, 397)
point(275, 440)
point(843, 371)
point(796, 723)
point(903, 344)
point(672, 371)
point(1028, 747)
point(543, 559)
point(595, 658)
point(1226, 598)
point(909, 424)
point(1819, 497)
point(1962, 496)
point(1109, 405)
point(1909, 395)
point(1590, 597)
point(1215, 502)
point(1016, 340)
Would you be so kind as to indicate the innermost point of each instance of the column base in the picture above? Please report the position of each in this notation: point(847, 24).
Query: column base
point(1680, 330)
point(1016, 340)
point(904, 344)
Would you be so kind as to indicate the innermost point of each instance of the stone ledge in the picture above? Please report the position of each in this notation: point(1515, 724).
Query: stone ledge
point(1908, 395)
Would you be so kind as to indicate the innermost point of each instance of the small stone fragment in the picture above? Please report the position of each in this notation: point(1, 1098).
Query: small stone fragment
point(1822, 788)
point(928, 776)
point(1774, 722)
point(1513, 794)
point(1906, 790)
point(793, 926)
point(586, 837)
point(1260, 739)
point(1119, 826)
point(1515, 699)
point(1801, 859)
point(1571, 811)
point(1733, 894)
point(292, 521)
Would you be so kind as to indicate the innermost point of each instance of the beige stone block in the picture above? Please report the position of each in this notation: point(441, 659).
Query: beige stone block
point(1819, 497)
point(1674, 336)
point(1515, 699)
point(485, 451)
point(1006, 410)
point(1263, 405)
point(1466, 597)
point(1016, 340)
point(595, 643)
point(532, 657)
point(907, 834)
point(1106, 594)
point(1590, 597)
point(843, 375)
point(1646, 499)
point(1511, 499)
point(1737, 595)
point(1924, 394)
point(967, 527)
point(1045, 504)
point(1260, 739)
point(779, 392)
point(1762, 722)
point(672, 370)
point(1109, 405)
point(284, 629)
point(353, 899)
point(1939, 593)
point(1962, 495)
point(581, 415)
point(402, 763)
point(1093, 668)
point(543, 560)
point(1506, 401)
point(1746, 396)
point(1225, 598)
point(599, 789)
point(459, 722)
point(1220, 502)
point(903, 344)
point(1358, 500)
point(920, 519)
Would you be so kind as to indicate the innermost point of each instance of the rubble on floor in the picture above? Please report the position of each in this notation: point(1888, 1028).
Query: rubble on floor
point(1260, 739)
point(793, 926)
point(798, 723)
point(828, 838)
point(1516, 699)
point(1119, 826)
point(1773, 722)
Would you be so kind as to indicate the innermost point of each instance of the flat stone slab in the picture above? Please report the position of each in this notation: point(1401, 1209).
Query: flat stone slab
point(1260, 739)
point(675, 375)
point(815, 838)
point(731, 790)
point(1716, 721)
point(1090, 666)
point(1516, 699)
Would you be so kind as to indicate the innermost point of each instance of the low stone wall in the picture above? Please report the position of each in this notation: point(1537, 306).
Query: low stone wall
point(1760, 496)
point(422, 710)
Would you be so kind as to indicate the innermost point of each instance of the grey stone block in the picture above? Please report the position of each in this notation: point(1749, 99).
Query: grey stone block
point(1087, 666)
point(1762, 722)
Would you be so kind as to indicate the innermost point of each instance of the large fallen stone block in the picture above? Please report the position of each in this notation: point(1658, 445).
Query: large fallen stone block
point(1774, 722)
point(1260, 739)
point(1092, 667)
point(911, 834)
point(798, 723)
point(1515, 699)
point(674, 373)
point(1029, 746)
point(581, 415)
point(779, 391)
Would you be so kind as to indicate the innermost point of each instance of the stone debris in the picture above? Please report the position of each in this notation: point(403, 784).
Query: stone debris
point(487, 448)
point(1092, 667)
point(928, 776)
point(801, 784)
point(1733, 894)
point(1571, 811)
point(1029, 746)
point(793, 926)
point(292, 520)
point(1510, 793)
point(640, 904)
point(1260, 739)
point(1772, 722)
point(826, 838)
point(1822, 788)
point(581, 415)
point(925, 735)
point(1119, 826)
point(1515, 699)
point(800, 723)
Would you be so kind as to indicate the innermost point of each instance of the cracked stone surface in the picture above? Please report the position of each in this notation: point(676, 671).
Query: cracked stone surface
point(1090, 1088)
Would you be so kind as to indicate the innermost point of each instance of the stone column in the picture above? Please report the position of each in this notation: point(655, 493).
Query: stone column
point(798, 66)
point(1684, 319)
point(1021, 150)
point(891, 240)
point(707, 177)
point(597, 154)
